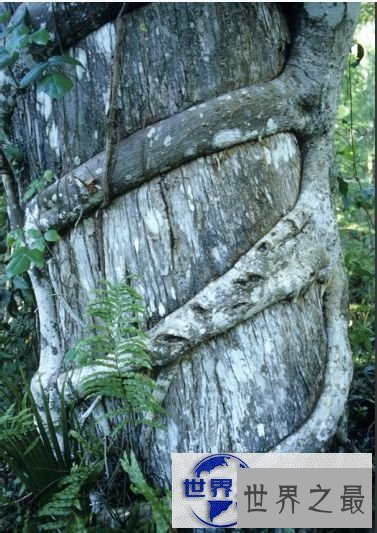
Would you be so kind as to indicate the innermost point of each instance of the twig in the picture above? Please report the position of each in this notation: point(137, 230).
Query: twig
point(90, 409)
point(112, 137)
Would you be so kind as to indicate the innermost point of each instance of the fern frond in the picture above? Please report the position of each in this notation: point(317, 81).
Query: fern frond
point(68, 509)
point(118, 344)
point(160, 506)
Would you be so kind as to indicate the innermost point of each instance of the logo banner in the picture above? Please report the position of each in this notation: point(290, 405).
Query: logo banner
point(262, 490)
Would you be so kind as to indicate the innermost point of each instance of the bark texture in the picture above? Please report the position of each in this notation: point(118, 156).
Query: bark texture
point(221, 205)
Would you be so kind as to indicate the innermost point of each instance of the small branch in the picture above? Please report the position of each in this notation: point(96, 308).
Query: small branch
point(9, 182)
point(90, 409)
point(112, 129)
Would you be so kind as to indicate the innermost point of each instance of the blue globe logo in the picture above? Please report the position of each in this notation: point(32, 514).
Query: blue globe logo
point(213, 490)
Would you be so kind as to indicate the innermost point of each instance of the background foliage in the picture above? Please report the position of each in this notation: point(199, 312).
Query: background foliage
point(354, 169)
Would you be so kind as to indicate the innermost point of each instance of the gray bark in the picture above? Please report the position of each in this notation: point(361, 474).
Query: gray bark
point(221, 204)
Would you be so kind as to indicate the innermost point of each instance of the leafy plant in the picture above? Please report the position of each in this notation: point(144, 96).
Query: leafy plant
point(49, 75)
point(68, 509)
point(60, 461)
point(48, 456)
point(29, 247)
point(354, 131)
point(38, 184)
point(160, 504)
point(117, 344)
point(30, 446)
point(353, 170)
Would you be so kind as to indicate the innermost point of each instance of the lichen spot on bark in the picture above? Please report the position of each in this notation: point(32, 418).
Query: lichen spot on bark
point(225, 138)
point(271, 126)
point(44, 104)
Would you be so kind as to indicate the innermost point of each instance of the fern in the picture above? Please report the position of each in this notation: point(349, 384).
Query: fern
point(56, 474)
point(160, 506)
point(68, 509)
point(117, 344)
point(53, 472)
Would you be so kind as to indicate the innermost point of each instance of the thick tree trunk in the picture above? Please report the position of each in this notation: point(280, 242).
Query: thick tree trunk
point(221, 205)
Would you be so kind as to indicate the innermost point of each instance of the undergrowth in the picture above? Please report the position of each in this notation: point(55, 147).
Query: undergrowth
point(354, 169)
point(74, 477)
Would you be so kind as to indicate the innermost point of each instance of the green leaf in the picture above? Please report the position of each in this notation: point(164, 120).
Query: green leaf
point(29, 193)
point(64, 60)
point(34, 74)
point(39, 243)
point(13, 153)
point(34, 187)
point(33, 233)
point(7, 59)
point(55, 85)
point(18, 264)
point(5, 17)
point(10, 240)
point(160, 506)
point(40, 36)
point(20, 283)
point(18, 17)
point(15, 237)
point(35, 256)
point(48, 175)
point(18, 39)
point(52, 235)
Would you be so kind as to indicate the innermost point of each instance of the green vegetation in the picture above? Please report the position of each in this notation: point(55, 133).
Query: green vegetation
point(158, 503)
point(354, 170)
point(27, 248)
point(19, 37)
point(59, 456)
point(117, 344)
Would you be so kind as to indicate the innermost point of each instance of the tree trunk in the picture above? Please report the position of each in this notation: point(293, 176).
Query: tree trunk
point(220, 202)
